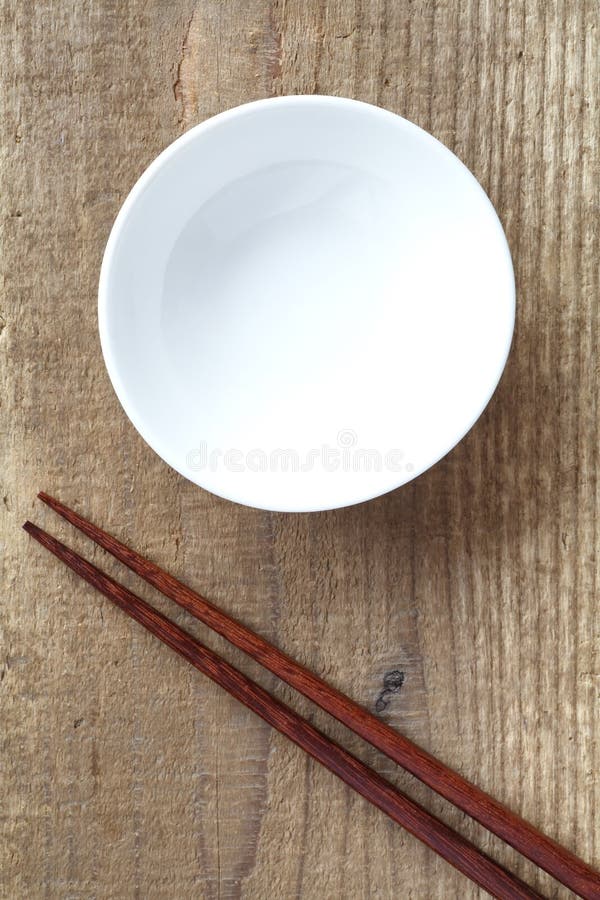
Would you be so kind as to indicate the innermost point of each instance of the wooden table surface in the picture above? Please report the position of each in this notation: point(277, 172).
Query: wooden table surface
point(127, 775)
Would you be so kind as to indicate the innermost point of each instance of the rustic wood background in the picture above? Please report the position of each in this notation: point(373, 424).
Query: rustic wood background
point(127, 775)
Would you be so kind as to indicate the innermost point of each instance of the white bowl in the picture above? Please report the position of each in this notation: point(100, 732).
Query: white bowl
point(305, 302)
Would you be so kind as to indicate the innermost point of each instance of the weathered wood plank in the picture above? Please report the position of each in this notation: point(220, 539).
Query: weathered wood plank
point(126, 774)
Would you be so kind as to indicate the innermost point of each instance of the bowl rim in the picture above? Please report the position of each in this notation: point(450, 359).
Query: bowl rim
point(140, 423)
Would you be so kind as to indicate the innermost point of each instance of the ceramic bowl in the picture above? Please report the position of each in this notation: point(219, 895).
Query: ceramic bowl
point(305, 302)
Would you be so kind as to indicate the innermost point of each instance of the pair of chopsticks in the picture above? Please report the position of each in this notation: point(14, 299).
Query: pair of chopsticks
point(559, 862)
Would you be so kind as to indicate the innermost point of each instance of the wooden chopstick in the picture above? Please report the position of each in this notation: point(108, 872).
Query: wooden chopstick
point(559, 862)
point(431, 831)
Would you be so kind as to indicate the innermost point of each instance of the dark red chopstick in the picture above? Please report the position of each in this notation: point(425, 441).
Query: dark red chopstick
point(559, 862)
point(431, 831)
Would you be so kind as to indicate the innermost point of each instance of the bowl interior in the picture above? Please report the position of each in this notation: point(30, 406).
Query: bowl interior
point(305, 303)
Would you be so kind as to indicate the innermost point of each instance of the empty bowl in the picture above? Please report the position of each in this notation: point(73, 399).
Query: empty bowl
point(305, 302)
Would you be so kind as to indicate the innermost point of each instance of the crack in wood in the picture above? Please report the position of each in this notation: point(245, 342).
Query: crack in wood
point(184, 90)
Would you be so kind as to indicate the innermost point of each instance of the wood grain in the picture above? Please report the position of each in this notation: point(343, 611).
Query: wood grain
point(479, 581)
point(553, 858)
point(434, 833)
